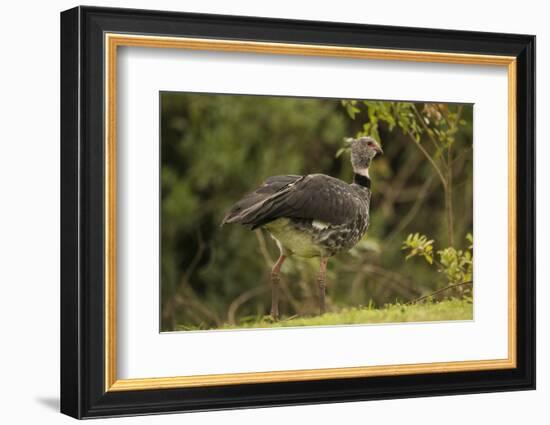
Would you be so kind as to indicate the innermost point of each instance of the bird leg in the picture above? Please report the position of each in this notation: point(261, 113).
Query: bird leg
point(321, 283)
point(275, 279)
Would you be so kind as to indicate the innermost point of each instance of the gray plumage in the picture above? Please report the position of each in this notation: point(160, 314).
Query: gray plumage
point(311, 216)
point(333, 213)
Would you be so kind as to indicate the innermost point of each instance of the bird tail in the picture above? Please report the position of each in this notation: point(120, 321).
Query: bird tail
point(250, 209)
point(240, 213)
point(229, 218)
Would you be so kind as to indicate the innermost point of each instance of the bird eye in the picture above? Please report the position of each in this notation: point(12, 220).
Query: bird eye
point(369, 143)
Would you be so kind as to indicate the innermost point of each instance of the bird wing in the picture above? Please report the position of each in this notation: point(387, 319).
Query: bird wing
point(315, 196)
point(269, 187)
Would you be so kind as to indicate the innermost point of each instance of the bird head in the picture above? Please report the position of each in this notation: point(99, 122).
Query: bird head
point(363, 150)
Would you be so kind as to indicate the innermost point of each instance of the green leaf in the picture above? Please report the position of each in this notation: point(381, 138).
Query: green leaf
point(352, 110)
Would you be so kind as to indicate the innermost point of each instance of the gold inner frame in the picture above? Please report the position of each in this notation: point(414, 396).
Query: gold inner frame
point(113, 41)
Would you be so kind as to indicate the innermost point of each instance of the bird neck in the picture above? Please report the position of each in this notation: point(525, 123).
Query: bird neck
point(362, 179)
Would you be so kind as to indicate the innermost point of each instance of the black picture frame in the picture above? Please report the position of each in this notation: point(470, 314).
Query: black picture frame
point(83, 392)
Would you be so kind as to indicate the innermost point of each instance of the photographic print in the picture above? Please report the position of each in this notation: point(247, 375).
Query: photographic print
point(287, 211)
point(316, 194)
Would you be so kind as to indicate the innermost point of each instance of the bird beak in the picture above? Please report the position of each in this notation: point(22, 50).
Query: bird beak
point(380, 151)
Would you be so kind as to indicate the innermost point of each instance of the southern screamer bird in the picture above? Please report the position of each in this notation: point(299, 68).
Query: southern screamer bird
point(311, 216)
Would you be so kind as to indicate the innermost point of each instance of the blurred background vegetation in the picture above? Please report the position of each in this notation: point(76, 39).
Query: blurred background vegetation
point(216, 148)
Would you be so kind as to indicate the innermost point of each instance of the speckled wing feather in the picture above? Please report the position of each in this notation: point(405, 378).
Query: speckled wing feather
point(315, 196)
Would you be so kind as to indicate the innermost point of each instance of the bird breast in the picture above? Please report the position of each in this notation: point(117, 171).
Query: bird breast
point(315, 238)
point(293, 237)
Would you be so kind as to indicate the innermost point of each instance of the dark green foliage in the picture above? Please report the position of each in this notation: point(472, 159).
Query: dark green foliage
point(215, 148)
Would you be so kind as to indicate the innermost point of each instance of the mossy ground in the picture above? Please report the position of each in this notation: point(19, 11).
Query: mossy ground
point(395, 313)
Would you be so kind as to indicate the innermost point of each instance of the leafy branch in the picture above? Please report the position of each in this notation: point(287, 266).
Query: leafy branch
point(455, 264)
point(435, 123)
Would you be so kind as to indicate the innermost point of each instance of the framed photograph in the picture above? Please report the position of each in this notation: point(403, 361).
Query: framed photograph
point(261, 212)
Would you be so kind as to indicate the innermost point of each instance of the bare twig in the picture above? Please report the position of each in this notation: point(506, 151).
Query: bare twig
point(455, 285)
point(263, 248)
point(196, 258)
point(391, 279)
point(288, 295)
point(393, 190)
point(431, 160)
point(194, 303)
point(241, 299)
point(356, 283)
point(186, 296)
point(451, 125)
point(428, 131)
point(412, 212)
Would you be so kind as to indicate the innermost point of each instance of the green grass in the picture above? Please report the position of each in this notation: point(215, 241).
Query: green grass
point(396, 313)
